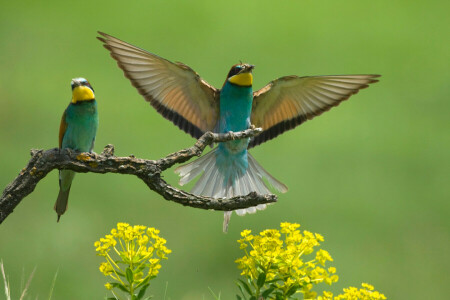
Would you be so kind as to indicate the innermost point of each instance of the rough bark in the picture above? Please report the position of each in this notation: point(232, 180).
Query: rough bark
point(43, 162)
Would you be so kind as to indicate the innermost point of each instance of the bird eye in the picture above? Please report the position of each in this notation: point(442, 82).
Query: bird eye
point(234, 70)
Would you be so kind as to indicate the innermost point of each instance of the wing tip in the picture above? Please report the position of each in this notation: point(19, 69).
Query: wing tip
point(101, 39)
point(105, 35)
point(372, 78)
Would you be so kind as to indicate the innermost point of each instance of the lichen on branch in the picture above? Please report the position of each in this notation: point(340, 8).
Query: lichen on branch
point(43, 162)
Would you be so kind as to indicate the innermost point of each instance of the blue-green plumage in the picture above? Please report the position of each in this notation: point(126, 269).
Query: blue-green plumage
point(235, 109)
point(82, 122)
point(229, 170)
point(183, 97)
point(77, 132)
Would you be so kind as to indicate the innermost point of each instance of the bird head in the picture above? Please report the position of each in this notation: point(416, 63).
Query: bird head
point(241, 75)
point(81, 90)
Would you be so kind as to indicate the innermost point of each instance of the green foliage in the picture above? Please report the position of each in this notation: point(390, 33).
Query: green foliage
point(140, 250)
point(277, 265)
point(371, 174)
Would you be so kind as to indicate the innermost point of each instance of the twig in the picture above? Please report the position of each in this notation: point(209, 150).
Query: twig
point(42, 162)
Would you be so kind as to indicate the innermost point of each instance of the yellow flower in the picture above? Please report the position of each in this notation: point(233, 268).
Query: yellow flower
point(366, 293)
point(106, 268)
point(322, 256)
point(367, 286)
point(143, 240)
point(108, 286)
point(246, 233)
point(292, 263)
point(126, 249)
point(280, 254)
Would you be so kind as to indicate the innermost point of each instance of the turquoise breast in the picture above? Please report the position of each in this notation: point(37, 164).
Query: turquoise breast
point(235, 108)
point(82, 123)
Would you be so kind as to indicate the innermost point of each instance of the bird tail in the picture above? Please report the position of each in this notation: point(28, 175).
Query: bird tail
point(229, 179)
point(65, 182)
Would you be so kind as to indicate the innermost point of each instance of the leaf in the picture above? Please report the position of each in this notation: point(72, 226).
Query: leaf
point(246, 287)
point(261, 279)
point(253, 298)
point(238, 297)
point(120, 286)
point(121, 274)
point(129, 275)
point(292, 290)
point(140, 268)
point(274, 280)
point(267, 292)
point(260, 268)
point(145, 281)
point(279, 297)
point(142, 291)
point(242, 291)
point(214, 295)
point(250, 282)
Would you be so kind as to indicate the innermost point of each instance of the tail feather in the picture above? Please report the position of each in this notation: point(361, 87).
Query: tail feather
point(191, 170)
point(218, 183)
point(279, 186)
point(213, 183)
point(61, 202)
point(65, 182)
point(214, 179)
point(202, 186)
point(226, 220)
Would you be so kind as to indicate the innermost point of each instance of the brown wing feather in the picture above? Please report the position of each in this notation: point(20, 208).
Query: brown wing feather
point(289, 101)
point(173, 89)
point(62, 129)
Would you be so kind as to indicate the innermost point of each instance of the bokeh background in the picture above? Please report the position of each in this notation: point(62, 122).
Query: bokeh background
point(371, 175)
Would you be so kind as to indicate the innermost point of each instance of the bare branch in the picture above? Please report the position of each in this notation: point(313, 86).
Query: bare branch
point(42, 162)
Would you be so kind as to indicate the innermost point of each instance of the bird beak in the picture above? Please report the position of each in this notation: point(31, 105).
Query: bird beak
point(248, 69)
point(75, 83)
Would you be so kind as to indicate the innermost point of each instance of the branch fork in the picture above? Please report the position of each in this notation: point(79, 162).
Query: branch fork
point(43, 162)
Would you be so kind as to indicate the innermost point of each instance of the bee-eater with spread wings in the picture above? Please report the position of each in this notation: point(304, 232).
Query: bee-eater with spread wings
point(183, 97)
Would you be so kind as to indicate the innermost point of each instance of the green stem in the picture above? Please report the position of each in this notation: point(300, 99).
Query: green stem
point(131, 290)
point(257, 292)
point(109, 260)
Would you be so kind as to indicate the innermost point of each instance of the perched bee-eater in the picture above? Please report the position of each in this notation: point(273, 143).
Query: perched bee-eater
point(77, 131)
point(180, 95)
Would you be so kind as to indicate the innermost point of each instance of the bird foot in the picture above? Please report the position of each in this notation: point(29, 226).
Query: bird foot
point(84, 156)
point(68, 150)
point(95, 155)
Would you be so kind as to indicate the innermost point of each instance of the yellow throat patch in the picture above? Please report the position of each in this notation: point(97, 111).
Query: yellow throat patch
point(82, 93)
point(242, 79)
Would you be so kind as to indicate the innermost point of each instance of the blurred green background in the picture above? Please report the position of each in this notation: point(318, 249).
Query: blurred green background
point(371, 175)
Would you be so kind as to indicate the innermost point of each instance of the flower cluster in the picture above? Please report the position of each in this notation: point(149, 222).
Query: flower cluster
point(366, 293)
point(275, 262)
point(140, 251)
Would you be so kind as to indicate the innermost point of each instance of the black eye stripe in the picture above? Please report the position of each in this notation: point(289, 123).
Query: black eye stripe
point(83, 83)
point(234, 70)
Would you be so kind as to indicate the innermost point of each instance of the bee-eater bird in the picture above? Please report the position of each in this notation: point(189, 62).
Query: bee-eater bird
point(77, 131)
point(181, 96)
